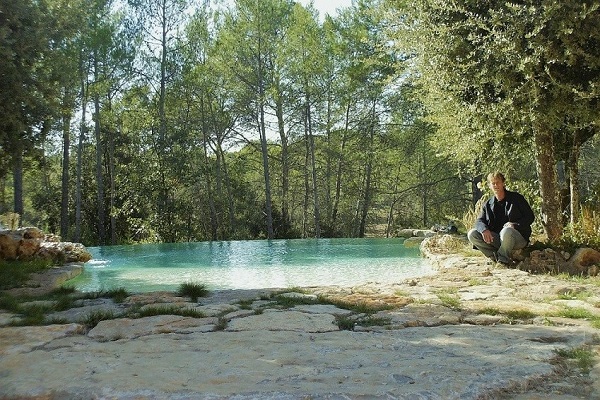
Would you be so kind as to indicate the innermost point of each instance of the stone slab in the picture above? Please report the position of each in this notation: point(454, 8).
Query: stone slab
point(448, 362)
point(274, 320)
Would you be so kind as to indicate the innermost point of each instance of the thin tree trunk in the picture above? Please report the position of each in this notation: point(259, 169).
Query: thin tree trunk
point(18, 180)
point(425, 186)
point(339, 170)
point(208, 177)
point(313, 168)
point(368, 172)
point(82, 128)
point(575, 203)
point(285, 164)
point(228, 189)
point(99, 152)
point(263, 141)
point(113, 194)
point(306, 187)
point(64, 202)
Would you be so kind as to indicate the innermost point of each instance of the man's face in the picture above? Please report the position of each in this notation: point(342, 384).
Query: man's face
point(497, 185)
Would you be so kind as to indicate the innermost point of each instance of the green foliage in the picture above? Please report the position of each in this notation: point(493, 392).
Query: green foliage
point(519, 314)
point(94, 318)
point(192, 290)
point(577, 313)
point(118, 295)
point(348, 323)
point(490, 311)
point(168, 310)
point(450, 301)
point(292, 301)
point(16, 273)
point(584, 357)
point(10, 220)
point(377, 117)
point(585, 232)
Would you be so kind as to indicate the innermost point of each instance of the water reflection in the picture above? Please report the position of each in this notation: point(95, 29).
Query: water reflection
point(251, 264)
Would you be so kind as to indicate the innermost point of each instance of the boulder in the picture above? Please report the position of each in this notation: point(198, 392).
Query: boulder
point(585, 261)
point(405, 233)
point(32, 244)
point(9, 245)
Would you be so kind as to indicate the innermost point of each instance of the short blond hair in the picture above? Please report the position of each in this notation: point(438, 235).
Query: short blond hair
point(496, 175)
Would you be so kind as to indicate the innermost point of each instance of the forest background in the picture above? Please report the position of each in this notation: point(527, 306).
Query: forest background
point(185, 120)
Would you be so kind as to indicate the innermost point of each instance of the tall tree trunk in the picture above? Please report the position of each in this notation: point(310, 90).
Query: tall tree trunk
point(575, 203)
point(263, 140)
point(313, 167)
point(64, 202)
point(208, 176)
point(18, 180)
point(366, 203)
point(548, 183)
point(339, 170)
point(99, 153)
point(305, 202)
point(425, 188)
point(285, 164)
point(113, 194)
point(222, 160)
point(79, 172)
point(265, 158)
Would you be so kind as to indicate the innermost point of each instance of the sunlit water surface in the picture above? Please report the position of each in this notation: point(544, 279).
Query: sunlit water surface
point(251, 264)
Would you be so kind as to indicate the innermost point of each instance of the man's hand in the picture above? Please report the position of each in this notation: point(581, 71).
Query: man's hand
point(510, 225)
point(487, 236)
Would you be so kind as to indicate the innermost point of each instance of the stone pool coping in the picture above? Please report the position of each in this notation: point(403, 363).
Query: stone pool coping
point(431, 348)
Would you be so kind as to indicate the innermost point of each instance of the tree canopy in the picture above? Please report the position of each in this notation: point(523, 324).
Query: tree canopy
point(173, 120)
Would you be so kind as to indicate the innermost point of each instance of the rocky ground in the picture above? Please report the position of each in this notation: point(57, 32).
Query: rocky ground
point(471, 330)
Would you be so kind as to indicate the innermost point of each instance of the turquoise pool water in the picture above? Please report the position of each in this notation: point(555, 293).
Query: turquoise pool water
point(251, 264)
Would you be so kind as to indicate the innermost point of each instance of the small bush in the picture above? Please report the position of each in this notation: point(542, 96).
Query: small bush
point(16, 273)
point(221, 324)
point(360, 307)
point(94, 318)
point(345, 323)
point(192, 290)
point(520, 314)
point(576, 313)
point(450, 301)
point(490, 311)
point(168, 310)
point(118, 295)
point(292, 301)
point(582, 356)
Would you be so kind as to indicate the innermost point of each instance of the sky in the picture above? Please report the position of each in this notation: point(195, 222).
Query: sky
point(327, 6)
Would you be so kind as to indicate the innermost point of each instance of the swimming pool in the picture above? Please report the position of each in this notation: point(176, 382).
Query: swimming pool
point(251, 264)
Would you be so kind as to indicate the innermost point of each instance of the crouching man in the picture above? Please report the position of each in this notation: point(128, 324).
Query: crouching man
point(504, 223)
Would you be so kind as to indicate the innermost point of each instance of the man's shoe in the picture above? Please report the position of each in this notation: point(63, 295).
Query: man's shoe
point(507, 264)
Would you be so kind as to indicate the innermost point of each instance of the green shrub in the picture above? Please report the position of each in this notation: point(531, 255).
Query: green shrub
point(576, 313)
point(520, 314)
point(118, 295)
point(582, 356)
point(16, 273)
point(192, 290)
point(168, 310)
point(449, 301)
point(94, 318)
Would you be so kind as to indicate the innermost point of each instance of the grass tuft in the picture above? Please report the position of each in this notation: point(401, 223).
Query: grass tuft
point(169, 310)
point(583, 357)
point(520, 314)
point(192, 290)
point(94, 318)
point(16, 273)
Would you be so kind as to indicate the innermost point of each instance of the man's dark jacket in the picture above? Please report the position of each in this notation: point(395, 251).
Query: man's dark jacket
point(513, 208)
